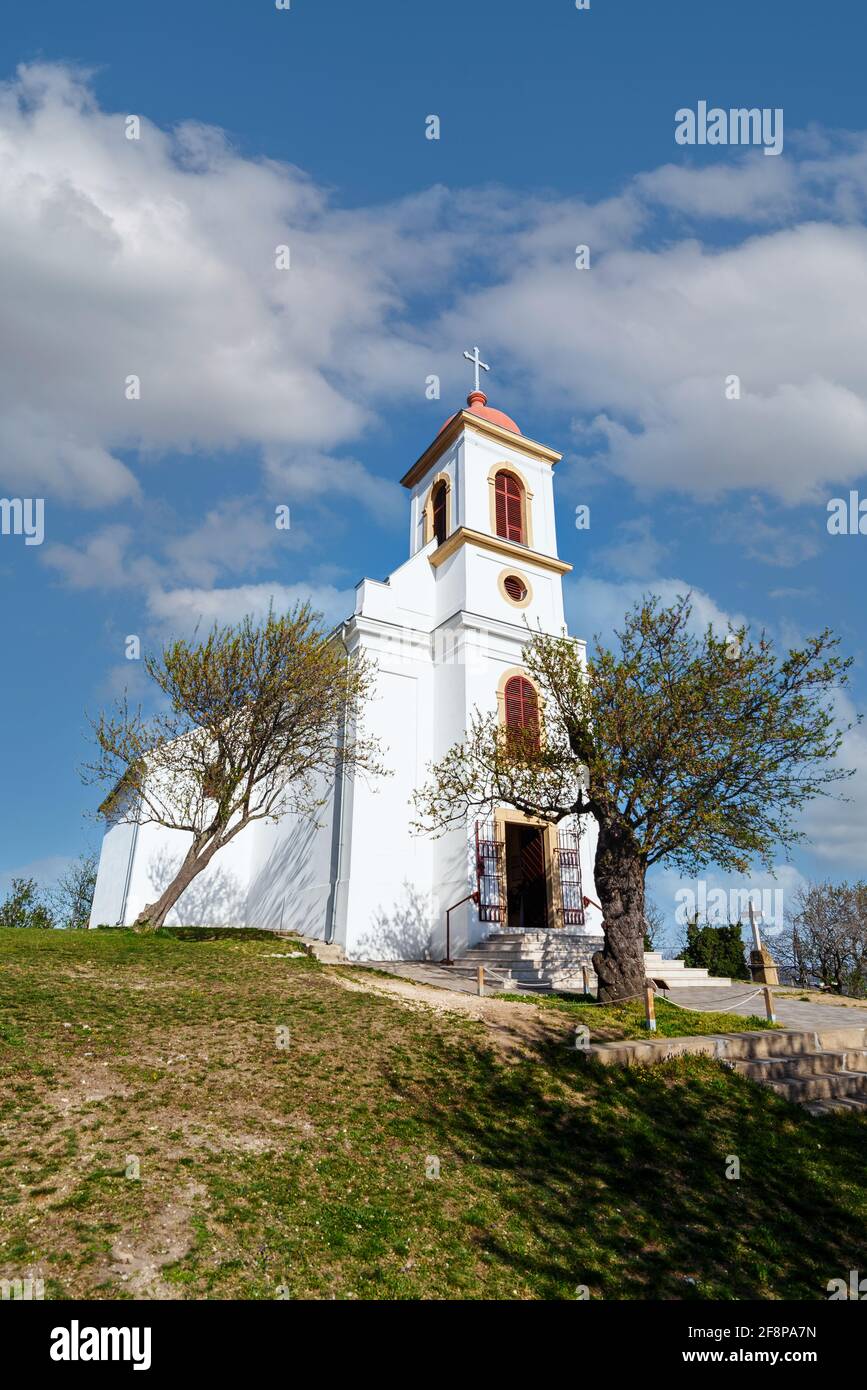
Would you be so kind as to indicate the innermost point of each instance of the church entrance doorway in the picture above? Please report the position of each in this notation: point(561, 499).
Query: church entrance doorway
point(526, 877)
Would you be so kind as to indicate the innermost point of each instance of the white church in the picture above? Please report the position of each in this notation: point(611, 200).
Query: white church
point(446, 631)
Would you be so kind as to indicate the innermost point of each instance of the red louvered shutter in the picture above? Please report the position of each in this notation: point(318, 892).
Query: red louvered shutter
point(509, 509)
point(501, 504)
point(514, 704)
point(522, 705)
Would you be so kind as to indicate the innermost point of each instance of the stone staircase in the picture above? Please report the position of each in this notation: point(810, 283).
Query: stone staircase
point(531, 960)
point(831, 1074)
point(673, 974)
point(552, 960)
point(822, 1070)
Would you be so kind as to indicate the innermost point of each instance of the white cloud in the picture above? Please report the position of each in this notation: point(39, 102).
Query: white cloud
point(183, 610)
point(836, 825)
point(317, 478)
point(600, 605)
point(654, 335)
point(784, 543)
point(754, 187)
point(155, 257)
point(237, 536)
point(637, 553)
point(102, 562)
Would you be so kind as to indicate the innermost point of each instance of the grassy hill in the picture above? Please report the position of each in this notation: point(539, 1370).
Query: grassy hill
point(300, 1170)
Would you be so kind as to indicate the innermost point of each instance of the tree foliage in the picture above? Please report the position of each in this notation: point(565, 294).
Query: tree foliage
point(255, 723)
point(71, 898)
point(686, 748)
point(717, 948)
point(24, 907)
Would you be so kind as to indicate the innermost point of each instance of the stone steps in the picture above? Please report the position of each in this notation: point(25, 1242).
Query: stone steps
point(823, 1086)
point(822, 1071)
point(539, 961)
point(553, 960)
point(673, 974)
point(802, 1065)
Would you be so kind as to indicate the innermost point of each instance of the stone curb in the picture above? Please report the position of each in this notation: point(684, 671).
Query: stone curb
point(737, 1046)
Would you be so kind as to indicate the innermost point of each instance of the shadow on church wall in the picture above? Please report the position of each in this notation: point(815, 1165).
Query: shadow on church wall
point(283, 893)
point(407, 933)
point(215, 899)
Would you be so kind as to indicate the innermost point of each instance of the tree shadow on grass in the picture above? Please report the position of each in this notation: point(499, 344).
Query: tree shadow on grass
point(621, 1175)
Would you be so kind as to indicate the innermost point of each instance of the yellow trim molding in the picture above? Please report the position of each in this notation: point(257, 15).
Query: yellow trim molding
point(515, 574)
point(466, 419)
point(427, 509)
point(465, 535)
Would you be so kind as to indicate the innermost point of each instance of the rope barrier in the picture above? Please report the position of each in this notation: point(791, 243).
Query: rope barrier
point(691, 1010)
point(687, 1008)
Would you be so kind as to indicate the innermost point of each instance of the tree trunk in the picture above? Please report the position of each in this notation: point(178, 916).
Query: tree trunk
point(153, 916)
point(619, 874)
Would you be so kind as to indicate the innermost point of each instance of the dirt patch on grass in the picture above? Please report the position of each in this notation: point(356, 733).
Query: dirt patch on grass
point(818, 996)
point(514, 1030)
point(137, 1261)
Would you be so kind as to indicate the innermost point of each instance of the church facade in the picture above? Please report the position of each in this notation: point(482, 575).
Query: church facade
point(445, 631)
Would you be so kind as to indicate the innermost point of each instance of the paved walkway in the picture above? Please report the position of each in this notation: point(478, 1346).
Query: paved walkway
point(427, 972)
point(790, 1010)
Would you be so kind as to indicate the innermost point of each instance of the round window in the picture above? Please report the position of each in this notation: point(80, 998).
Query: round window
point(515, 588)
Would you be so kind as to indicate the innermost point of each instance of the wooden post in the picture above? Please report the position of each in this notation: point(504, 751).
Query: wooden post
point(769, 1005)
point(649, 1007)
point(586, 976)
point(481, 980)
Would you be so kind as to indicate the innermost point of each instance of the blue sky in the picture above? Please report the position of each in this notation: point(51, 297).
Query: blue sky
point(306, 387)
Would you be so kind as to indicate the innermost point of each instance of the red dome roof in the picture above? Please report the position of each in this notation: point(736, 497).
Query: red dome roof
point(477, 404)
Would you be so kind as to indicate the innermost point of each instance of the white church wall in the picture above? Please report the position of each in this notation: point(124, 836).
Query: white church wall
point(484, 454)
point(448, 464)
point(114, 862)
point(484, 569)
point(389, 911)
point(292, 865)
point(450, 594)
point(405, 599)
point(215, 898)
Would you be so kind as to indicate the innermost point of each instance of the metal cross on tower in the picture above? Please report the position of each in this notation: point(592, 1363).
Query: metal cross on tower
point(477, 362)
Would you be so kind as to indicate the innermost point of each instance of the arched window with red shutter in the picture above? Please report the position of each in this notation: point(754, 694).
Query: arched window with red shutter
point(522, 709)
point(439, 509)
point(509, 499)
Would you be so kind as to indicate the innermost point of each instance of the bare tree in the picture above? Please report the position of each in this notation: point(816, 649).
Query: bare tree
point(258, 721)
point(654, 924)
point(71, 898)
point(824, 943)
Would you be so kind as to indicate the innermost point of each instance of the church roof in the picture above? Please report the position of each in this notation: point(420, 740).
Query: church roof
point(477, 404)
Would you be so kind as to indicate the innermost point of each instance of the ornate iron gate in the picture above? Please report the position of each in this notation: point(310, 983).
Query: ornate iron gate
point(568, 862)
point(491, 876)
point(490, 873)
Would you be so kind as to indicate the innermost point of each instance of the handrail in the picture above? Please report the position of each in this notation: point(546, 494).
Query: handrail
point(447, 958)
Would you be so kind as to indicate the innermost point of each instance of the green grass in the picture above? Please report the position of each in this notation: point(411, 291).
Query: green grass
point(613, 1021)
point(303, 1168)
